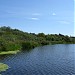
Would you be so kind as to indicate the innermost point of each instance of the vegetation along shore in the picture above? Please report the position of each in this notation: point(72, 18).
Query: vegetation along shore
point(12, 40)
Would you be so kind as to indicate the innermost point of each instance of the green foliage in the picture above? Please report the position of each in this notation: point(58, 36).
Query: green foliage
point(29, 45)
point(44, 43)
point(9, 46)
point(41, 35)
point(12, 46)
point(14, 39)
point(2, 46)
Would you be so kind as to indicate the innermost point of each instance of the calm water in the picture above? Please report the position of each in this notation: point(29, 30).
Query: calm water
point(47, 60)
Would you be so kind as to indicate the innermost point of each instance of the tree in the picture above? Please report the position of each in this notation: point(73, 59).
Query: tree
point(41, 35)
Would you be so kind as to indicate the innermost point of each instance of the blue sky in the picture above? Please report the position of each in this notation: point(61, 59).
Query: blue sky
point(47, 16)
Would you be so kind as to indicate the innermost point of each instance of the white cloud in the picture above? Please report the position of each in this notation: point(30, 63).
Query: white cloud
point(53, 14)
point(36, 14)
point(64, 22)
point(34, 18)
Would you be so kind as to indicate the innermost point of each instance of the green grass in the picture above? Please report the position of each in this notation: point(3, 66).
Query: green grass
point(8, 52)
point(3, 67)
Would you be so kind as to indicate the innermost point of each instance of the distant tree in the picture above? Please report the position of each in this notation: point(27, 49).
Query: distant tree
point(67, 39)
point(41, 35)
point(60, 34)
point(4, 28)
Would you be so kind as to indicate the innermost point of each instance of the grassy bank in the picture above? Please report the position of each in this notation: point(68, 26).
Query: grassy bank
point(3, 67)
point(8, 52)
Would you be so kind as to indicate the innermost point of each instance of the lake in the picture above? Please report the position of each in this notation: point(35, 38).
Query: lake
point(56, 59)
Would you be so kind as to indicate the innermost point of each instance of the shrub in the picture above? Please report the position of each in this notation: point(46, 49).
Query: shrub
point(44, 43)
point(13, 46)
point(29, 45)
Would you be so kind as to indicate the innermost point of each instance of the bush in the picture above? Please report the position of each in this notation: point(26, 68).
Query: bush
point(29, 45)
point(13, 47)
point(44, 43)
point(2, 46)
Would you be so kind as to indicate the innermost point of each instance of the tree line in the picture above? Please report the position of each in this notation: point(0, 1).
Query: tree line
point(14, 39)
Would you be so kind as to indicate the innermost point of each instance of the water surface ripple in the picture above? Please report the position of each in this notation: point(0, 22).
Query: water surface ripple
point(46, 60)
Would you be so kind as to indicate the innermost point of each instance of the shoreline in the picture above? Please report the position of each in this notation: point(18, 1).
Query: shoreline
point(9, 52)
point(15, 52)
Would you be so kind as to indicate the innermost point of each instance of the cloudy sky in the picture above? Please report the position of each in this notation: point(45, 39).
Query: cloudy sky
point(48, 16)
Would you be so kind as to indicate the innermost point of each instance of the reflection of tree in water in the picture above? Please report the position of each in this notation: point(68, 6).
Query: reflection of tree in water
point(2, 57)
